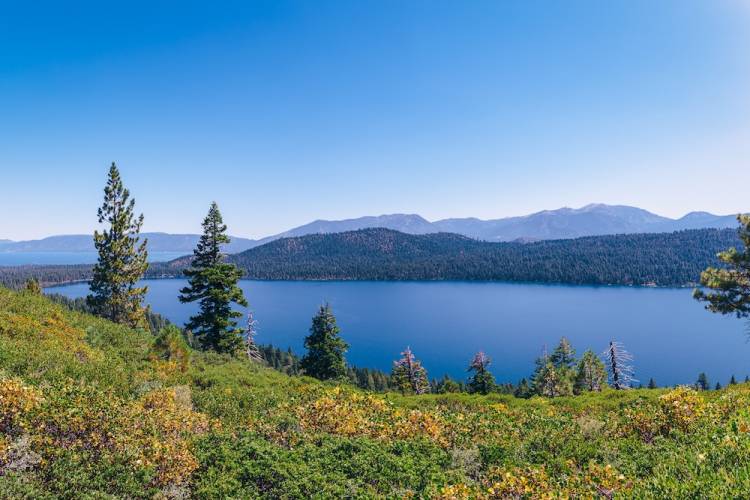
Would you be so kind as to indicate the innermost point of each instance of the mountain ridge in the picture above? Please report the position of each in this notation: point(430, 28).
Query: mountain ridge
point(562, 223)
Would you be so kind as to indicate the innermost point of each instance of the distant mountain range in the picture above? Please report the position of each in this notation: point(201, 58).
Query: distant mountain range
point(564, 223)
point(157, 242)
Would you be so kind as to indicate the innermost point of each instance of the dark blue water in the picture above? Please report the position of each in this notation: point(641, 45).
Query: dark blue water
point(67, 258)
point(670, 335)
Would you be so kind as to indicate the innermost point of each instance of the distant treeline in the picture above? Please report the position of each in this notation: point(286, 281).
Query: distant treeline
point(663, 259)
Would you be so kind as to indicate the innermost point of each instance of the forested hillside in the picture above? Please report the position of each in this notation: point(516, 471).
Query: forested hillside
point(664, 259)
point(380, 254)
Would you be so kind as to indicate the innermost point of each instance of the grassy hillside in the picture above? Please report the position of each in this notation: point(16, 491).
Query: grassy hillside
point(91, 409)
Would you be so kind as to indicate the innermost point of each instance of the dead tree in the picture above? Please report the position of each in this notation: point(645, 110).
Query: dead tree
point(251, 348)
point(618, 365)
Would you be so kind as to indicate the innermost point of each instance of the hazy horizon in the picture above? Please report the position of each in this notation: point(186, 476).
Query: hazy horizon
point(286, 112)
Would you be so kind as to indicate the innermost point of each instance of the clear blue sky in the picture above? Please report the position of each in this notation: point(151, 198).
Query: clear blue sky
point(284, 112)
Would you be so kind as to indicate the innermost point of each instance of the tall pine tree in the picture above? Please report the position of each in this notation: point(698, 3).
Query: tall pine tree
point(482, 380)
point(122, 258)
point(213, 283)
point(324, 359)
point(408, 374)
point(730, 284)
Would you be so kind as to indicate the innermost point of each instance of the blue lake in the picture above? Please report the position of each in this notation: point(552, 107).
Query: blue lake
point(68, 258)
point(670, 335)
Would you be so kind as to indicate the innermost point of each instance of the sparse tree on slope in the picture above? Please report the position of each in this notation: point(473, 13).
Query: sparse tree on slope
point(564, 356)
point(251, 347)
point(122, 258)
point(730, 284)
point(213, 283)
point(32, 286)
point(409, 375)
point(482, 380)
point(591, 375)
point(324, 359)
point(618, 365)
point(702, 383)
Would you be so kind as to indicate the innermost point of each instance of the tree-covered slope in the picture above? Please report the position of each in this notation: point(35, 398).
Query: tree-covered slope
point(380, 254)
point(665, 259)
point(89, 409)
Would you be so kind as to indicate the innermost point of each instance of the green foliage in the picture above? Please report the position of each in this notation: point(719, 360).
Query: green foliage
point(92, 409)
point(213, 283)
point(730, 285)
point(702, 383)
point(481, 380)
point(591, 374)
point(408, 375)
point(122, 259)
point(324, 359)
point(32, 286)
point(665, 259)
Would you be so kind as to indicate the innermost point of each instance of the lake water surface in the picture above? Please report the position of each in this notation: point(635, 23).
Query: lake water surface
point(670, 335)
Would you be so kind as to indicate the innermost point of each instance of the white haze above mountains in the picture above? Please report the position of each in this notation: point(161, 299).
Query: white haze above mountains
point(591, 220)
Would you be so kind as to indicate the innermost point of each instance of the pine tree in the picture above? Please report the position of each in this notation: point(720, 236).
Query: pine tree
point(591, 374)
point(718, 386)
point(563, 357)
point(523, 390)
point(213, 283)
point(408, 374)
point(481, 381)
point(32, 286)
point(702, 383)
point(652, 383)
point(122, 259)
point(549, 381)
point(324, 359)
point(618, 364)
point(730, 284)
point(733, 381)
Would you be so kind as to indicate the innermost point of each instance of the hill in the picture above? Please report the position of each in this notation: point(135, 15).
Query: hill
point(662, 259)
point(381, 254)
point(91, 409)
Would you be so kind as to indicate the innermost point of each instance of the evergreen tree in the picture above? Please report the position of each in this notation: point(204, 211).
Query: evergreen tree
point(324, 359)
point(747, 378)
point(551, 382)
point(408, 374)
point(523, 389)
point(652, 383)
point(482, 380)
point(32, 286)
point(563, 357)
point(732, 381)
point(213, 283)
point(591, 374)
point(730, 284)
point(447, 385)
point(718, 386)
point(702, 383)
point(122, 258)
